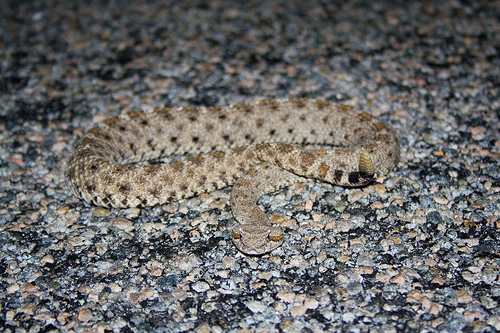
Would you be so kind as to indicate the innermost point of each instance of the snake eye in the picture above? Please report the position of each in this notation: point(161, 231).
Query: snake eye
point(235, 234)
point(276, 238)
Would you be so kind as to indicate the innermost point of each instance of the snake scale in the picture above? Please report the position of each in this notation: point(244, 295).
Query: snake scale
point(257, 147)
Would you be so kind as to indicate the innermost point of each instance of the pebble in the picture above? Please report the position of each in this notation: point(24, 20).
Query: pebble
point(200, 286)
point(47, 259)
point(355, 196)
point(12, 288)
point(85, 315)
point(256, 306)
point(101, 212)
point(354, 288)
point(122, 224)
point(299, 310)
point(286, 296)
point(463, 296)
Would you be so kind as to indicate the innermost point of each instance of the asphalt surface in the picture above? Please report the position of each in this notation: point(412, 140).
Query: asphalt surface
point(417, 251)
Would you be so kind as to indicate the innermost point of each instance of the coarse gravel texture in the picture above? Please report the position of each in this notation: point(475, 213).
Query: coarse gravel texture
point(417, 251)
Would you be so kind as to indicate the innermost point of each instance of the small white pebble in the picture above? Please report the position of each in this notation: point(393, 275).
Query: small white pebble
point(256, 306)
point(200, 286)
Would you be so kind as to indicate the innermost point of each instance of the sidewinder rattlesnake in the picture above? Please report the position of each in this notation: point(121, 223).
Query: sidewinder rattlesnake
point(257, 147)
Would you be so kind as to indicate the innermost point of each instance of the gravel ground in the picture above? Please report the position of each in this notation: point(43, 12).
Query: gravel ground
point(417, 251)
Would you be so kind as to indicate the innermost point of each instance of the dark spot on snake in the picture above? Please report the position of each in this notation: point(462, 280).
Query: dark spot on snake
point(272, 132)
point(359, 178)
point(259, 122)
point(307, 158)
point(218, 155)
point(183, 187)
point(192, 119)
point(222, 177)
point(302, 118)
point(343, 107)
point(95, 201)
point(286, 148)
point(124, 188)
point(238, 150)
point(338, 174)
point(226, 137)
point(90, 187)
point(222, 117)
point(177, 166)
point(173, 139)
point(189, 173)
point(274, 106)
point(168, 116)
point(106, 200)
point(321, 104)
point(290, 130)
point(198, 160)
point(299, 102)
point(241, 169)
point(144, 123)
point(195, 139)
point(122, 128)
point(323, 169)
point(245, 108)
point(151, 169)
point(313, 132)
point(202, 180)
point(166, 180)
point(155, 191)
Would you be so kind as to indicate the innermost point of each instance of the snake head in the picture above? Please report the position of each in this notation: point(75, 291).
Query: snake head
point(256, 239)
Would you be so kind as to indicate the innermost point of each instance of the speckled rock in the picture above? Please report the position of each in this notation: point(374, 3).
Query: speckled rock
point(417, 250)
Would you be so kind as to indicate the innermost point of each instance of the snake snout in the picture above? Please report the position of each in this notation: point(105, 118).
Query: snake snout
point(256, 239)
